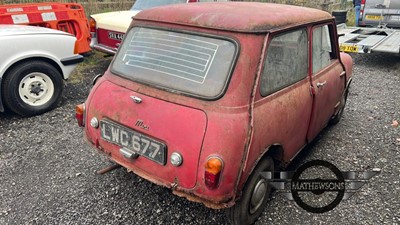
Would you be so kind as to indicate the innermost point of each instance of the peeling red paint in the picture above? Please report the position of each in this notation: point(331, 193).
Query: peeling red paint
point(239, 127)
point(235, 16)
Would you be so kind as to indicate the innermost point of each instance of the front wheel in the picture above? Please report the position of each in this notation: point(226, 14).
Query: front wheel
point(32, 88)
point(255, 195)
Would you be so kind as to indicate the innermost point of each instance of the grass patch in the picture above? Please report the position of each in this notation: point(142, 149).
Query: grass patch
point(94, 63)
point(351, 18)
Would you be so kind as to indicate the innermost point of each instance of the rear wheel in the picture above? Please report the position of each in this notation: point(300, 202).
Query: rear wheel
point(32, 88)
point(255, 195)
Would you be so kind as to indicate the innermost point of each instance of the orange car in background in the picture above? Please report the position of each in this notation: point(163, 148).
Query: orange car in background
point(67, 17)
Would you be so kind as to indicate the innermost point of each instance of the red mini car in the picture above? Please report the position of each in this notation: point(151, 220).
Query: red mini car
point(201, 98)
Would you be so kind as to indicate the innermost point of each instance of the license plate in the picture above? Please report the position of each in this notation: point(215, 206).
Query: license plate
point(373, 17)
point(132, 140)
point(348, 48)
point(115, 36)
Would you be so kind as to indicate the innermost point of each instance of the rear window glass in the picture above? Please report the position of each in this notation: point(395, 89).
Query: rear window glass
point(188, 63)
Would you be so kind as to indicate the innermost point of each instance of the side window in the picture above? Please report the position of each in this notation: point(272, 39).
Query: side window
point(322, 52)
point(286, 61)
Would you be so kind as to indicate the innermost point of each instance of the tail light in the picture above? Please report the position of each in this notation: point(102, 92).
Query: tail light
point(362, 9)
point(192, 1)
point(92, 25)
point(212, 174)
point(361, 15)
point(80, 114)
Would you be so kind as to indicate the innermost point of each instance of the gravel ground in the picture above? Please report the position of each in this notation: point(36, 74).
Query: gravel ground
point(47, 171)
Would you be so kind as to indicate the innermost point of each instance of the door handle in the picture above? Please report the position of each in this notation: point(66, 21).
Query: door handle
point(319, 85)
point(136, 99)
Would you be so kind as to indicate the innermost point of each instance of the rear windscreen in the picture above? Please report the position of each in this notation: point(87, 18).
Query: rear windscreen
point(187, 63)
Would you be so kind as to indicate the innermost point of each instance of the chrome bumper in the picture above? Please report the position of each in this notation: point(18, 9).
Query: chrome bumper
point(105, 49)
point(94, 44)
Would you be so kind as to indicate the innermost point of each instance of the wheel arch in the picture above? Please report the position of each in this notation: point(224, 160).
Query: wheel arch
point(275, 151)
point(241, 211)
point(36, 58)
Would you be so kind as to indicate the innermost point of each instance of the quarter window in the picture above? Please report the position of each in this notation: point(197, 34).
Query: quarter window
point(321, 48)
point(286, 62)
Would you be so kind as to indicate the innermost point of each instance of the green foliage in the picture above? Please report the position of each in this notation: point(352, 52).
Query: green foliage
point(88, 67)
point(351, 18)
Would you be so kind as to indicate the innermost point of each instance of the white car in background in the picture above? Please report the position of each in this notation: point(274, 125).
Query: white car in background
point(34, 61)
point(380, 13)
point(108, 29)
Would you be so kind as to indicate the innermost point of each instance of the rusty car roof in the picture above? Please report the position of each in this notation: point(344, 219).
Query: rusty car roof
point(235, 16)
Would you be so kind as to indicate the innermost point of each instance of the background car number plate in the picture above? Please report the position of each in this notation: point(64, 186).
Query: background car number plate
point(139, 143)
point(348, 48)
point(373, 17)
point(115, 36)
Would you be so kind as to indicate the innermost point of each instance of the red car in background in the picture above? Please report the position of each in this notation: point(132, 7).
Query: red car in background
point(108, 29)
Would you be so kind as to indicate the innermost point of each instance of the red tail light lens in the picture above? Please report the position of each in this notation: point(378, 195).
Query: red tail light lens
point(92, 25)
point(80, 114)
point(212, 172)
point(192, 1)
point(362, 8)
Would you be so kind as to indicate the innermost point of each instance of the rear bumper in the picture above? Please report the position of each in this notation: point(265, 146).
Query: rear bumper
point(190, 194)
point(102, 48)
point(72, 60)
point(105, 49)
point(209, 204)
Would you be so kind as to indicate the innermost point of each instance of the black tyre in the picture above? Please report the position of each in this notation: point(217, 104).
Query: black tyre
point(336, 118)
point(255, 195)
point(32, 88)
